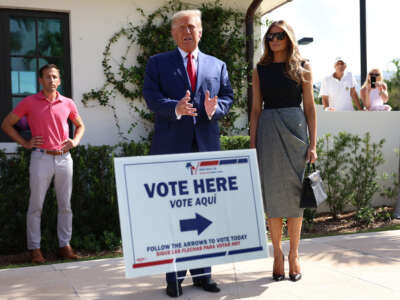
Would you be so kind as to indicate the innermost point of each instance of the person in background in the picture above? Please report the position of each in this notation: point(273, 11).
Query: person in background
point(282, 81)
point(47, 113)
point(338, 90)
point(374, 93)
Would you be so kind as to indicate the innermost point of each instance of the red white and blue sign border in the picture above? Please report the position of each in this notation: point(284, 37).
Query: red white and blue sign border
point(218, 160)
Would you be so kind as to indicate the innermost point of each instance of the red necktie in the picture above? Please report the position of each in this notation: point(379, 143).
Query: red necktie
point(191, 70)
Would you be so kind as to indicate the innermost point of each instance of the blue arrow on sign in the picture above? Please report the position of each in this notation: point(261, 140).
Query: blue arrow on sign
point(199, 223)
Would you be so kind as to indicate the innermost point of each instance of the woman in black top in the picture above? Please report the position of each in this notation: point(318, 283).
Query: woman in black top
point(281, 81)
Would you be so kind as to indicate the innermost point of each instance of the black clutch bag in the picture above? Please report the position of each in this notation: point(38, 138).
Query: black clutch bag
point(313, 193)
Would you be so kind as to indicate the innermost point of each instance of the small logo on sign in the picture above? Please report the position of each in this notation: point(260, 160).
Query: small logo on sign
point(192, 168)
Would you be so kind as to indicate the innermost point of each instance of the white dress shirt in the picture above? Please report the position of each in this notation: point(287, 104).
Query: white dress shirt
point(184, 54)
point(195, 54)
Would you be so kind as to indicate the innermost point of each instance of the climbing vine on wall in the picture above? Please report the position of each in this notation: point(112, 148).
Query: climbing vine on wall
point(223, 37)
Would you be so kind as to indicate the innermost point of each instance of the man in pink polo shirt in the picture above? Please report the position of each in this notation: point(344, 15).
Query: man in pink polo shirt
point(47, 113)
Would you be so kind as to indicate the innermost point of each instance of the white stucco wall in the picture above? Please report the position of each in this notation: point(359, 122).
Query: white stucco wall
point(92, 23)
point(379, 124)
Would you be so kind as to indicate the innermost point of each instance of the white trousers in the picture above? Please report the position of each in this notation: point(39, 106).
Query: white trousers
point(43, 167)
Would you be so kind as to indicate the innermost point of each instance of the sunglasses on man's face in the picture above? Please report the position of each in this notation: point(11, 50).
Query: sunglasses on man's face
point(279, 35)
point(374, 74)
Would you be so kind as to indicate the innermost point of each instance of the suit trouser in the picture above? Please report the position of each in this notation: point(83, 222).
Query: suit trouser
point(41, 171)
point(172, 276)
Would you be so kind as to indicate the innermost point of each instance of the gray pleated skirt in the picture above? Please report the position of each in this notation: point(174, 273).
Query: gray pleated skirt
point(282, 144)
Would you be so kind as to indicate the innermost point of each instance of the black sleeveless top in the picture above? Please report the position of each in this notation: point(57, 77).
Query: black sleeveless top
point(277, 89)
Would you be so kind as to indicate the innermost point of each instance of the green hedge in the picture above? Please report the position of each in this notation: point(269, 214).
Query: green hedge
point(94, 200)
point(344, 159)
point(235, 142)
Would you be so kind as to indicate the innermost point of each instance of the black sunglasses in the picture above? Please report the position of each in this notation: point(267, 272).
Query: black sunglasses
point(279, 35)
point(374, 74)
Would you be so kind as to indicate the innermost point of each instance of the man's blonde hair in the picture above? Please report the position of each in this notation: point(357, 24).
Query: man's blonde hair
point(186, 13)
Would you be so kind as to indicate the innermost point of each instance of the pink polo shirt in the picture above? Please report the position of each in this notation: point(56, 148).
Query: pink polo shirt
point(48, 119)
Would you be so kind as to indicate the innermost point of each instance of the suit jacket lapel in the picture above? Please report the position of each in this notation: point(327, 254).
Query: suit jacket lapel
point(200, 71)
point(180, 67)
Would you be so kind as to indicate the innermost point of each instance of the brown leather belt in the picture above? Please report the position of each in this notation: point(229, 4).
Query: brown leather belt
point(52, 152)
point(56, 152)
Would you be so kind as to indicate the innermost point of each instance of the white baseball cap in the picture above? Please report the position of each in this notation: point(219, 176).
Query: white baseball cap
point(339, 58)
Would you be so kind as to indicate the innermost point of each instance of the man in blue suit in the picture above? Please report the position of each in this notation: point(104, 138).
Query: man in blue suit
point(189, 92)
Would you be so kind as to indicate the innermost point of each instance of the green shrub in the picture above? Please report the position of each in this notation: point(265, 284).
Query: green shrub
point(94, 200)
point(235, 142)
point(365, 216)
point(308, 219)
point(383, 215)
point(333, 159)
point(90, 242)
point(134, 149)
point(363, 172)
point(309, 215)
point(111, 240)
point(349, 167)
point(14, 193)
point(391, 191)
point(347, 162)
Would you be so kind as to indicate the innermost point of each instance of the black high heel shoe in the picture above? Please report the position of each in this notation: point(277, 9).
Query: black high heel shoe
point(279, 277)
point(295, 276)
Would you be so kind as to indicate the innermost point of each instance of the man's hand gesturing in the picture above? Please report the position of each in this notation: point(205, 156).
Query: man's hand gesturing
point(210, 104)
point(184, 108)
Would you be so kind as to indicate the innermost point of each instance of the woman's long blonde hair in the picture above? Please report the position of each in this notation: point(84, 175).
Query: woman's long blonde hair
point(293, 65)
point(368, 79)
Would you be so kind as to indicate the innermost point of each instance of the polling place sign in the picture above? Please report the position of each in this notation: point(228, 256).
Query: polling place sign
point(192, 210)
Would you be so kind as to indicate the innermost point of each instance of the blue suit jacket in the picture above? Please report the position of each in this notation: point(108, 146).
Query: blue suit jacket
point(166, 82)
